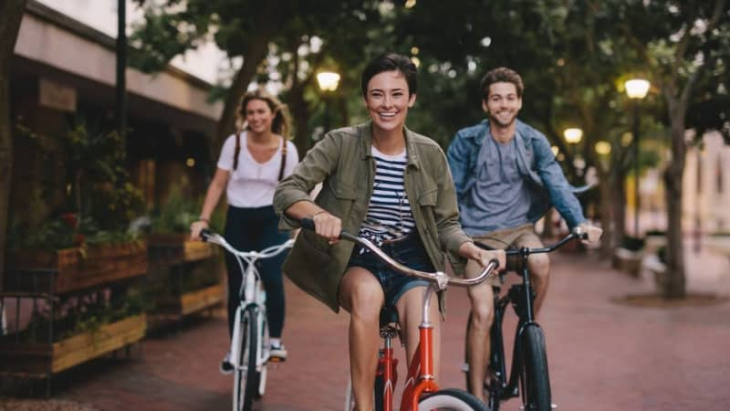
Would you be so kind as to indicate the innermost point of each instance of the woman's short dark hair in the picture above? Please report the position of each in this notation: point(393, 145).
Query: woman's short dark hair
point(390, 62)
point(501, 75)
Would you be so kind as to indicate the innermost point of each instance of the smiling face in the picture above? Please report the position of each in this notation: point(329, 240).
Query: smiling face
point(502, 104)
point(259, 116)
point(388, 100)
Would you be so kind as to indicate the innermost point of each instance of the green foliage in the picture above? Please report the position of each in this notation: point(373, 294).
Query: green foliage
point(175, 214)
point(99, 202)
point(78, 314)
point(633, 243)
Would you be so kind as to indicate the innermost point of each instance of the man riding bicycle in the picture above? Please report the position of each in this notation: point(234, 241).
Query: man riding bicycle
point(506, 178)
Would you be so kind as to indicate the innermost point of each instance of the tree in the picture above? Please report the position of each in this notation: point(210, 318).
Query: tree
point(681, 44)
point(11, 14)
point(246, 29)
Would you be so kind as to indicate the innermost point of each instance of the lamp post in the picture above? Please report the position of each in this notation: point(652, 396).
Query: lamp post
point(636, 89)
point(328, 82)
point(573, 136)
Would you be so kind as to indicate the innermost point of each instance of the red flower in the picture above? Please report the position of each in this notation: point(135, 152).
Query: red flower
point(70, 219)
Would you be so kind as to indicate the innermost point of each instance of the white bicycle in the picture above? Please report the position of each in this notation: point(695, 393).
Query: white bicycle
point(250, 350)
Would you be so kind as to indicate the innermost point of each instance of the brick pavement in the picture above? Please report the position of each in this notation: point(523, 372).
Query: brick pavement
point(603, 355)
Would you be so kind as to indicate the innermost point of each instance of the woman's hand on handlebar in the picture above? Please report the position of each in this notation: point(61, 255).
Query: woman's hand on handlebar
point(481, 256)
point(196, 227)
point(327, 226)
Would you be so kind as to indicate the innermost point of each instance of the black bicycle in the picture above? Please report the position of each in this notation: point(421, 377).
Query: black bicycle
point(529, 372)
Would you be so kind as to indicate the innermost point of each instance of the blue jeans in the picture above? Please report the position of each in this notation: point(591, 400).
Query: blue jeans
point(255, 229)
point(408, 251)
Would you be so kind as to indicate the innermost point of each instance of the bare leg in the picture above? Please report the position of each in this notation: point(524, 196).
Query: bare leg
point(539, 266)
point(478, 344)
point(362, 296)
point(409, 307)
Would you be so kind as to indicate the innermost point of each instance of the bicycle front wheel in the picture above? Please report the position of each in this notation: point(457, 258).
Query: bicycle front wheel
point(451, 399)
point(246, 380)
point(534, 377)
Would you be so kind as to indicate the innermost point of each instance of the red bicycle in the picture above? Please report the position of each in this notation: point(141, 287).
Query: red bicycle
point(421, 391)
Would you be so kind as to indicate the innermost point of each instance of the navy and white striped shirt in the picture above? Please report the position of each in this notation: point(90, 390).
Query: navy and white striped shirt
point(389, 213)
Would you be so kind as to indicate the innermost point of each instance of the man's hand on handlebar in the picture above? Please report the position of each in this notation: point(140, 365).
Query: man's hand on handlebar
point(483, 257)
point(591, 232)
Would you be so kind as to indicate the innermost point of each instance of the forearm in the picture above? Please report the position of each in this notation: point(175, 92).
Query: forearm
point(211, 201)
point(303, 209)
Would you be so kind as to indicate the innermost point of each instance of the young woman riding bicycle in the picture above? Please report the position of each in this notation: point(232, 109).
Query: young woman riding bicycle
point(387, 183)
point(251, 164)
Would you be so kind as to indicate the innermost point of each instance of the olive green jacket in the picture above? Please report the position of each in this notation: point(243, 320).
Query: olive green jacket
point(343, 162)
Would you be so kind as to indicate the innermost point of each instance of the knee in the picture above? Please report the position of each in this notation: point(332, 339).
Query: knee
point(539, 265)
point(482, 311)
point(365, 302)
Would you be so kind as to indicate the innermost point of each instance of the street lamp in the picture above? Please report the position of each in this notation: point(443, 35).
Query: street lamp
point(573, 136)
point(636, 89)
point(328, 82)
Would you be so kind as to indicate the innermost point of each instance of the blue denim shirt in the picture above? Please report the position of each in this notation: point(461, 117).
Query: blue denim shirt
point(535, 161)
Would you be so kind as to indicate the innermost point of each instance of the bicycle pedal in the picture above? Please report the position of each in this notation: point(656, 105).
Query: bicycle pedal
point(553, 406)
point(277, 359)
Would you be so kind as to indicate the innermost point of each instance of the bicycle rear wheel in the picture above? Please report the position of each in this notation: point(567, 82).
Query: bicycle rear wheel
point(451, 399)
point(246, 379)
point(534, 377)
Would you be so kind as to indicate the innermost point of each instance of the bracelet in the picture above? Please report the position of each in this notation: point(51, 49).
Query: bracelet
point(205, 220)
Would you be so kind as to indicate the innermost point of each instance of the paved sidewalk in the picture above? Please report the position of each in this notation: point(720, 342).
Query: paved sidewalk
point(603, 355)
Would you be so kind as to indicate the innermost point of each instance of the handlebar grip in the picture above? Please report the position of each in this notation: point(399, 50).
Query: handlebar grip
point(205, 234)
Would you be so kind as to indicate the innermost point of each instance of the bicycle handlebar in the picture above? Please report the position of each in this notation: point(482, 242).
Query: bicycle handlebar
point(576, 233)
point(439, 278)
point(215, 238)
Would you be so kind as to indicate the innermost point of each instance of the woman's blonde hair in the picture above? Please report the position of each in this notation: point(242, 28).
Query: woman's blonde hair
point(281, 124)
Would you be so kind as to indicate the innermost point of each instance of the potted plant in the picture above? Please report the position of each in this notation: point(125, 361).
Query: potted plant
point(83, 237)
point(656, 263)
point(627, 257)
point(92, 324)
point(654, 240)
point(169, 238)
point(191, 276)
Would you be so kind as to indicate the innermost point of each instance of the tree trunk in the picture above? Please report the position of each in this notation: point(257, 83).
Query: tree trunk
point(267, 25)
point(675, 286)
point(608, 223)
point(618, 203)
point(11, 14)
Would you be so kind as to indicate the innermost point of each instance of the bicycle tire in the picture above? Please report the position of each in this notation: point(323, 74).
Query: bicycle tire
point(246, 377)
point(534, 378)
point(451, 399)
point(264, 344)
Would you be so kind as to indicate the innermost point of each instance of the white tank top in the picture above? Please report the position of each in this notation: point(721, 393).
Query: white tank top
point(253, 184)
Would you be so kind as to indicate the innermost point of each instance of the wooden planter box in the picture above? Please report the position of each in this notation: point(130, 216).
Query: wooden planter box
point(38, 359)
point(177, 246)
point(193, 301)
point(72, 270)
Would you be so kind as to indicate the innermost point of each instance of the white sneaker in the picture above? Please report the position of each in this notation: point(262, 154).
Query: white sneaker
point(278, 353)
point(226, 367)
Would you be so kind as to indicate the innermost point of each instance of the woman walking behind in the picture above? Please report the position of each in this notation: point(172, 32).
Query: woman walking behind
point(251, 164)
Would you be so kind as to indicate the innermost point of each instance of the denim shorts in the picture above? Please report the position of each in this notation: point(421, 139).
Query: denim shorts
point(408, 251)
